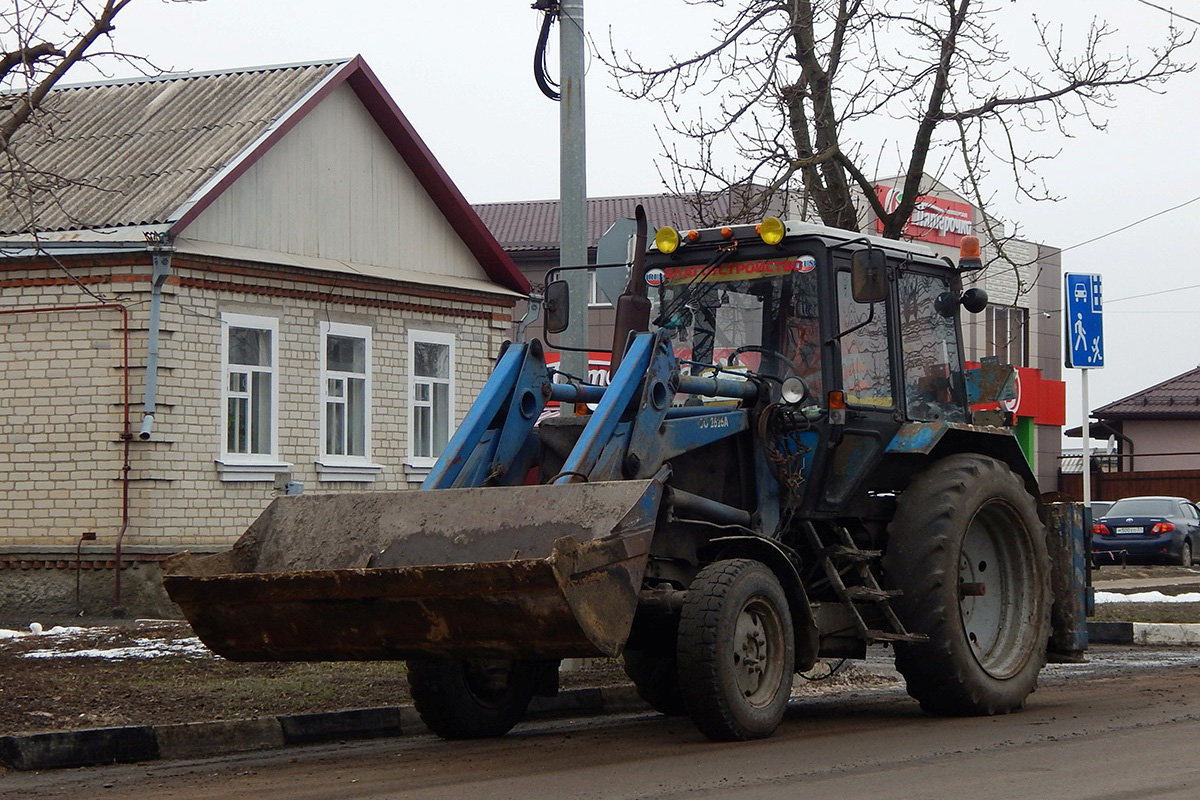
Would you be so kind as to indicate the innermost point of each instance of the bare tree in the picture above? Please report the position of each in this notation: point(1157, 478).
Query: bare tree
point(42, 40)
point(817, 97)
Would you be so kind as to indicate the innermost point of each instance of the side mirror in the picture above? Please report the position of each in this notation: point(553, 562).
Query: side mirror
point(558, 306)
point(868, 276)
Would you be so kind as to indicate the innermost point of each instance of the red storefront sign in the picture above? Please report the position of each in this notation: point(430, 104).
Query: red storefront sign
point(934, 219)
point(1045, 401)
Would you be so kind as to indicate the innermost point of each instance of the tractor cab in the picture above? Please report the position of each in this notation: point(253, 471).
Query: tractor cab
point(868, 326)
point(734, 303)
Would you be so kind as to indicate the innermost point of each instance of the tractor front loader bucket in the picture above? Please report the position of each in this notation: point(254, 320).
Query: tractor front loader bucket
point(524, 572)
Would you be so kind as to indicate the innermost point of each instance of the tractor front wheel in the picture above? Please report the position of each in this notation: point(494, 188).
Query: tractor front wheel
point(656, 678)
point(475, 699)
point(968, 553)
point(736, 650)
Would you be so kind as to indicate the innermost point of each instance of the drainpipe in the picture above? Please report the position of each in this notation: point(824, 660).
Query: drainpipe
point(160, 250)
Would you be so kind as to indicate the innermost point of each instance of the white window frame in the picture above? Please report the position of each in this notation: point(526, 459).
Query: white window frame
point(1005, 345)
point(596, 297)
point(340, 467)
point(249, 466)
point(432, 337)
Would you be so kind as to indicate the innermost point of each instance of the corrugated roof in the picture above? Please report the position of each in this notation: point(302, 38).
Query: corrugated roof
point(533, 224)
point(131, 152)
point(1174, 398)
point(154, 153)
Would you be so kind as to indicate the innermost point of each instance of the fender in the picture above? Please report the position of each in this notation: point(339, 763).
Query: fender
point(780, 560)
point(940, 439)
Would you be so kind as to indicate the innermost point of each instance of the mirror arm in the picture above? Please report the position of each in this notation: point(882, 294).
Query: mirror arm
point(847, 332)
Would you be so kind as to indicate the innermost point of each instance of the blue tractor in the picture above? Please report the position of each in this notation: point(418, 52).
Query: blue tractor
point(784, 466)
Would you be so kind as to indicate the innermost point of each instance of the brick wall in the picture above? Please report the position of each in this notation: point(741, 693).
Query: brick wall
point(61, 409)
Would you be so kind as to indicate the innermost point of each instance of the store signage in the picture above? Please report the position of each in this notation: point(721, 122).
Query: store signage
point(934, 219)
point(1043, 400)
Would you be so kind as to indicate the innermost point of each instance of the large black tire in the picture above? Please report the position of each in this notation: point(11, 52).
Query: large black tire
point(1185, 553)
point(968, 552)
point(656, 678)
point(736, 651)
point(459, 699)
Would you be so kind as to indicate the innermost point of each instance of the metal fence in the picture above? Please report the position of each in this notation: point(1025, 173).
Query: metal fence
point(1115, 485)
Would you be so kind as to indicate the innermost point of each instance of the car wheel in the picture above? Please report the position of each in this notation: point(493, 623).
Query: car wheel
point(1185, 554)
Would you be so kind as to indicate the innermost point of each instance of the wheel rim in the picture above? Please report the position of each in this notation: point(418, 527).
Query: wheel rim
point(997, 591)
point(758, 652)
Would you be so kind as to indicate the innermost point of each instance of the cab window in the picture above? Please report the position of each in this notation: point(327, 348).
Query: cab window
point(866, 363)
point(933, 382)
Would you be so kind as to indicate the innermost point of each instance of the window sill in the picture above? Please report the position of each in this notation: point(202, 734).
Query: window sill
point(261, 472)
point(416, 471)
point(348, 473)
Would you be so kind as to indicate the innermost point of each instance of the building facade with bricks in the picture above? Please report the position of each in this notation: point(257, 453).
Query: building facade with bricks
point(240, 284)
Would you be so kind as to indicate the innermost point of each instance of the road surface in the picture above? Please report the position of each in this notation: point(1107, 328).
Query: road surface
point(1125, 726)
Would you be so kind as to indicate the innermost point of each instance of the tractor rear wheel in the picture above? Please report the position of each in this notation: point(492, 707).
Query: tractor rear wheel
point(656, 678)
point(968, 553)
point(459, 699)
point(736, 650)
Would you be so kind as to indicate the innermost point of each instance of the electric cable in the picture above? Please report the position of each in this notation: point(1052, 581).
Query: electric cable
point(541, 75)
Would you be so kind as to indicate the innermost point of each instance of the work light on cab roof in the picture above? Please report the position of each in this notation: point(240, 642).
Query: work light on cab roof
point(666, 239)
point(771, 230)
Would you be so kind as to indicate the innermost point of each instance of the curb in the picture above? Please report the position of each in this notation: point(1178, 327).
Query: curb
point(137, 743)
point(1151, 633)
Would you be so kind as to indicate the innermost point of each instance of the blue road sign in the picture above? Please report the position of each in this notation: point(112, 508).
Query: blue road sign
point(1084, 321)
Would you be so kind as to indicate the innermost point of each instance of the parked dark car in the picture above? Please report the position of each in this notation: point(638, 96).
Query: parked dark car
point(1147, 530)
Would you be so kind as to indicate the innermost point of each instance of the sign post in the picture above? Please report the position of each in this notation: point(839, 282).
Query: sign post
point(1085, 335)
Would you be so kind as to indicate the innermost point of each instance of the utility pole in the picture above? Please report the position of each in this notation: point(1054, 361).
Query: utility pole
point(572, 203)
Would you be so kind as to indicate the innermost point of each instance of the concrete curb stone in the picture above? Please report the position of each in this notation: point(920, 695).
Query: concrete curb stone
point(80, 748)
point(1166, 634)
point(202, 739)
point(359, 723)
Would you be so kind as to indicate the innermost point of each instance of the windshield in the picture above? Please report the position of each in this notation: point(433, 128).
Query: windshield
point(1143, 507)
point(759, 315)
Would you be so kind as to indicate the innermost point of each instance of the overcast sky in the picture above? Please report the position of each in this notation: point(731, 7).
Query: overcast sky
point(462, 74)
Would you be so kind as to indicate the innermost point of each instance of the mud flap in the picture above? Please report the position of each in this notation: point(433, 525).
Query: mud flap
point(519, 572)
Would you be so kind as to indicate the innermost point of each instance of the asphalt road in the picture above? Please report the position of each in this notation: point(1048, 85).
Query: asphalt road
point(1126, 725)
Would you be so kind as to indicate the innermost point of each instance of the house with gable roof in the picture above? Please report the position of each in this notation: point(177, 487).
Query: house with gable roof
point(214, 288)
point(1156, 429)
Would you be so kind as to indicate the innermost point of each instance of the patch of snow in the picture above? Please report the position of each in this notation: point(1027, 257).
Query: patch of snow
point(35, 629)
point(141, 648)
point(1147, 597)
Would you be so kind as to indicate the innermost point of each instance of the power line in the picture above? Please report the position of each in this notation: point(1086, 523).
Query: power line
point(1151, 294)
point(1170, 11)
point(1130, 225)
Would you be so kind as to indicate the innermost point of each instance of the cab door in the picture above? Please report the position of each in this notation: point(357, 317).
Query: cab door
point(864, 370)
